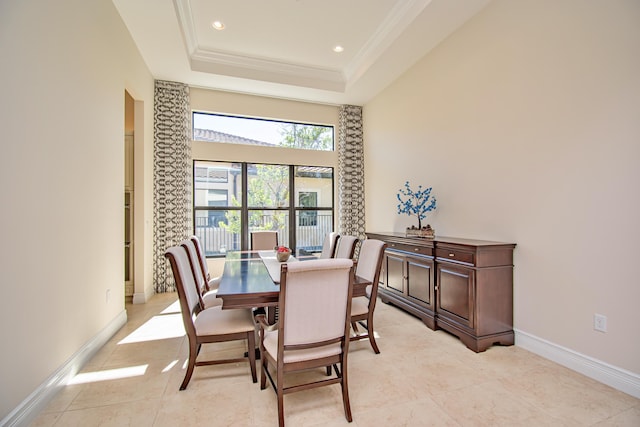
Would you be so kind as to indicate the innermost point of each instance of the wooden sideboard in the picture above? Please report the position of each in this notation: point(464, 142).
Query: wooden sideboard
point(463, 286)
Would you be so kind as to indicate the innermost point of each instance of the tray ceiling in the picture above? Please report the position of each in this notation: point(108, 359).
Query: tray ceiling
point(284, 48)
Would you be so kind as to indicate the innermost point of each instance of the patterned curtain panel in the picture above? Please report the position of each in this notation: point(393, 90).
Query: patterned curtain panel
point(351, 172)
point(172, 170)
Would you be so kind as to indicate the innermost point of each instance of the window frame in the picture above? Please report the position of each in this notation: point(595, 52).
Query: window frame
point(293, 207)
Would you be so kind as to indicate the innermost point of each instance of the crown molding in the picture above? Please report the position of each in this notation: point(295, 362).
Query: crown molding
point(402, 15)
point(209, 61)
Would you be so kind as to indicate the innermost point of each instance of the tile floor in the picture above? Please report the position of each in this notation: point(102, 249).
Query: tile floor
point(420, 378)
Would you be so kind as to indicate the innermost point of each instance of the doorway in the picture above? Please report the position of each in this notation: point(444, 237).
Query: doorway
point(128, 196)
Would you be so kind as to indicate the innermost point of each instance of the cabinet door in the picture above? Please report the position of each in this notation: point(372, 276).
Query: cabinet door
point(456, 294)
point(382, 280)
point(395, 272)
point(420, 281)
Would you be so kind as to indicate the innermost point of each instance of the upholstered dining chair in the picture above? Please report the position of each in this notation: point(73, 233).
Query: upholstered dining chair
point(312, 330)
point(329, 245)
point(264, 240)
point(346, 247)
point(211, 325)
point(368, 267)
point(213, 283)
point(208, 298)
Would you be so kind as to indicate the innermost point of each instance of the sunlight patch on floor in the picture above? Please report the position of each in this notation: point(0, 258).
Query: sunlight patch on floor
point(109, 374)
point(173, 308)
point(169, 366)
point(157, 328)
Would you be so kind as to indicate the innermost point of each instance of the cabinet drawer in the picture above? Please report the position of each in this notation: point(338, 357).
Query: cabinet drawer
point(456, 255)
point(418, 250)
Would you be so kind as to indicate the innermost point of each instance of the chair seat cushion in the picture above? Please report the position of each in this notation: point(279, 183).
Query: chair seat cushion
point(214, 283)
point(271, 346)
point(359, 305)
point(215, 321)
point(211, 300)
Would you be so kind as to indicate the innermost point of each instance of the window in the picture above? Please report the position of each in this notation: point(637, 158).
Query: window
point(296, 201)
point(314, 206)
point(308, 199)
point(252, 131)
point(217, 198)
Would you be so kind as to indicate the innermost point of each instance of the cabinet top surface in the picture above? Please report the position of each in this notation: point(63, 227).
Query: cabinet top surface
point(439, 239)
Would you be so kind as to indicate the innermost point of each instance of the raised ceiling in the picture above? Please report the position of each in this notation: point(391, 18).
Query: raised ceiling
point(284, 48)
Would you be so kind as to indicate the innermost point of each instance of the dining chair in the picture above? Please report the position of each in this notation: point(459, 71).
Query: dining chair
point(346, 247)
point(208, 298)
point(264, 240)
point(368, 267)
point(329, 245)
point(213, 283)
point(211, 325)
point(312, 330)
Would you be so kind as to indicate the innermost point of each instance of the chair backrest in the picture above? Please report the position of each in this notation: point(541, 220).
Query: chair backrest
point(329, 245)
point(264, 240)
point(370, 263)
point(185, 284)
point(346, 247)
point(315, 301)
point(201, 257)
point(201, 283)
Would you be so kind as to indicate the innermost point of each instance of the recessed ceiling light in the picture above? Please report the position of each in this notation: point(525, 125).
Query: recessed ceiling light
point(338, 49)
point(217, 25)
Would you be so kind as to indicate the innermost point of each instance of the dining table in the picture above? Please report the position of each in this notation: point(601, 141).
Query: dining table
point(251, 279)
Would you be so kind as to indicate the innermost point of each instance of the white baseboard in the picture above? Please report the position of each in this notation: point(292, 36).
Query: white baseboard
point(142, 297)
point(620, 379)
point(31, 407)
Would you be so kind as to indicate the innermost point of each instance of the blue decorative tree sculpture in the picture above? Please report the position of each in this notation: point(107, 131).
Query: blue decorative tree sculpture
point(416, 203)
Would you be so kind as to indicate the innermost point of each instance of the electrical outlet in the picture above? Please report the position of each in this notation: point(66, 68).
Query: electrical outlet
point(108, 296)
point(600, 322)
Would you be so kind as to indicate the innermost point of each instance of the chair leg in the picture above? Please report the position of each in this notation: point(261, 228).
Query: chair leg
point(280, 392)
point(354, 326)
point(345, 393)
point(372, 339)
point(193, 354)
point(251, 344)
point(263, 371)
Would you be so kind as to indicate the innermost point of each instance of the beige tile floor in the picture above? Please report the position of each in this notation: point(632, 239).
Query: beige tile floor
point(420, 378)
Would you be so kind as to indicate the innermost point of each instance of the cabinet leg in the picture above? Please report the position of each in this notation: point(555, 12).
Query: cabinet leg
point(430, 322)
point(481, 344)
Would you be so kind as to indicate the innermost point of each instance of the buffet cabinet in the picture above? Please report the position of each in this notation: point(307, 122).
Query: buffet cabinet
point(463, 286)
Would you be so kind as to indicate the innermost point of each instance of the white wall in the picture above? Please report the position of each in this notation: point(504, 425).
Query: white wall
point(65, 68)
point(526, 122)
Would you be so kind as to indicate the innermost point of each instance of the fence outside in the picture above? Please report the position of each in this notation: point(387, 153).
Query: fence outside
point(218, 240)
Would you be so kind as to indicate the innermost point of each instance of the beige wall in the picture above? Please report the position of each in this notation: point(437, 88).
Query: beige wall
point(526, 122)
point(65, 68)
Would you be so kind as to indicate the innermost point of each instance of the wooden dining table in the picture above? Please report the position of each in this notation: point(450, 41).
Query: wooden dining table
point(247, 283)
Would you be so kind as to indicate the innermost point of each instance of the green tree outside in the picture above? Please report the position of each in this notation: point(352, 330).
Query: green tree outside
point(269, 187)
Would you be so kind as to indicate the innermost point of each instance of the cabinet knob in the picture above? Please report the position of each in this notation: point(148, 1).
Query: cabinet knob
point(416, 249)
point(452, 254)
